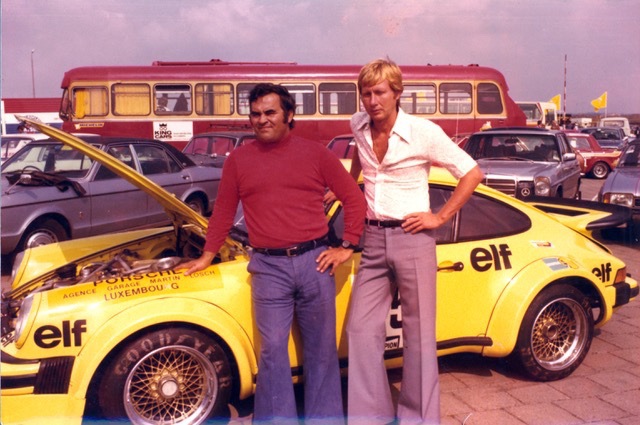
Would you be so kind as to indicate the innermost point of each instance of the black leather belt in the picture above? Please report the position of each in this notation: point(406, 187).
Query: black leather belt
point(383, 223)
point(292, 251)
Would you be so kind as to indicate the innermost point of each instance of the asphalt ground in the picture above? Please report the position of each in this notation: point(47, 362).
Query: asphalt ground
point(605, 389)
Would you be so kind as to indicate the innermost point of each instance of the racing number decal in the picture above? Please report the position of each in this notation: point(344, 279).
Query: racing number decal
point(483, 259)
point(49, 336)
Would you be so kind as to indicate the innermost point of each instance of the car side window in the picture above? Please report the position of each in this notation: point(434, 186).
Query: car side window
point(483, 218)
point(479, 218)
point(155, 160)
point(122, 153)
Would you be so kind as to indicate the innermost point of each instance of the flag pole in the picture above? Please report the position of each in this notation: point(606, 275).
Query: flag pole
point(564, 101)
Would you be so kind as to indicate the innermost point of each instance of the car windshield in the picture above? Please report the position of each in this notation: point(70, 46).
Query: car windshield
point(604, 134)
point(50, 158)
point(629, 158)
point(516, 147)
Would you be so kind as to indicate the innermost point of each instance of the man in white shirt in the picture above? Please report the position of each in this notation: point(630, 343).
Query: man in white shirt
point(395, 153)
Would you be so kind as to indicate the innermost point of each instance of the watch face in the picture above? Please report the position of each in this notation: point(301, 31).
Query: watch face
point(346, 244)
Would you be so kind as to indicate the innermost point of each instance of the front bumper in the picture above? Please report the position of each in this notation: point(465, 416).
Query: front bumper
point(37, 391)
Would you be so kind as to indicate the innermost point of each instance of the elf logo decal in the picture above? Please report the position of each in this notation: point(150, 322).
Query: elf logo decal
point(483, 259)
point(603, 273)
point(49, 336)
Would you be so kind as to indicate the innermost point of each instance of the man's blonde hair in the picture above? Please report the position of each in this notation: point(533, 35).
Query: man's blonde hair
point(379, 70)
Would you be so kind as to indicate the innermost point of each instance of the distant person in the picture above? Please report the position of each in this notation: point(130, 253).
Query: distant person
point(281, 180)
point(539, 124)
point(395, 152)
point(163, 103)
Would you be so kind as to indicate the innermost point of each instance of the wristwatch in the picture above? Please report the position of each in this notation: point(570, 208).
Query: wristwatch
point(348, 245)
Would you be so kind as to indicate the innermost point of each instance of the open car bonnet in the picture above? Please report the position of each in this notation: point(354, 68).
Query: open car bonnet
point(179, 213)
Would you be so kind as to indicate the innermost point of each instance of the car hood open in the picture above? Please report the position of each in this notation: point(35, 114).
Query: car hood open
point(179, 213)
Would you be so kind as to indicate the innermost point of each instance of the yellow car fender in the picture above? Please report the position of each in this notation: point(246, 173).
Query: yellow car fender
point(171, 311)
point(512, 305)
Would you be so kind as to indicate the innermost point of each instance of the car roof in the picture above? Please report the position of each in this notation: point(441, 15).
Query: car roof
point(518, 130)
point(108, 141)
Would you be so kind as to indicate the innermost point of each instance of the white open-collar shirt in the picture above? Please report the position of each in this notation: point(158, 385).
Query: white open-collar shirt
point(399, 185)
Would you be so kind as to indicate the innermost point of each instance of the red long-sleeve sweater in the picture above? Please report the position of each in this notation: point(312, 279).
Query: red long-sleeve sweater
point(281, 186)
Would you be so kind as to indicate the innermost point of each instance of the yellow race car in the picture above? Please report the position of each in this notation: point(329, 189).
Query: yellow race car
point(109, 326)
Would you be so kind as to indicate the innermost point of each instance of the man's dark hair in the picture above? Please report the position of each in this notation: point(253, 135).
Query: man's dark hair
point(287, 102)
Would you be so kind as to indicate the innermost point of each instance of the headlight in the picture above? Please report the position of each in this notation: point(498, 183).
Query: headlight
point(16, 265)
point(624, 199)
point(24, 318)
point(543, 186)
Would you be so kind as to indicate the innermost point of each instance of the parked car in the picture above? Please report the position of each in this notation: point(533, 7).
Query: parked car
point(12, 143)
point(212, 149)
point(110, 326)
point(594, 160)
point(611, 138)
point(525, 162)
point(51, 192)
point(621, 122)
point(622, 186)
point(343, 146)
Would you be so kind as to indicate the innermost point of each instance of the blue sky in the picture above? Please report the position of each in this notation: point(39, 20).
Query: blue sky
point(526, 40)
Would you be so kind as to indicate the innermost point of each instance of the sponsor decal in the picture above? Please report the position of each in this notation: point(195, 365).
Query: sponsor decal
point(603, 272)
point(142, 290)
point(392, 343)
point(555, 264)
point(496, 258)
point(169, 131)
point(68, 334)
point(80, 293)
point(542, 244)
point(82, 125)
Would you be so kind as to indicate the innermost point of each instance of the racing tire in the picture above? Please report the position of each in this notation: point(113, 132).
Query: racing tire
point(168, 376)
point(600, 170)
point(42, 232)
point(555, 334)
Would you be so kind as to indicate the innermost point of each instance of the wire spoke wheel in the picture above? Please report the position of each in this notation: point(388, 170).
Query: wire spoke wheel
point(557, 339)
point(174, 384)
point(555, 333)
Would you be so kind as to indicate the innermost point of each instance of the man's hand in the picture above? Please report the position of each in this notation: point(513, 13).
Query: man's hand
point(329, 197)
point(417, 222)
point(332, 258)
point(198, 264)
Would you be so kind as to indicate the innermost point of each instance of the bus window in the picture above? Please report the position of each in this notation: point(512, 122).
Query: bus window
point(243, 98)
point(337, 98)
point(419, 99)
point(455, 98)
point(305, 97)
point(90, 102)
point(172, 98)
point(131, 99)
point(214, 99)
point(489, 101)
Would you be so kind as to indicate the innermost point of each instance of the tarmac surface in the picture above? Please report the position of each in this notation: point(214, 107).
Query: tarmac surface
point(605, 389)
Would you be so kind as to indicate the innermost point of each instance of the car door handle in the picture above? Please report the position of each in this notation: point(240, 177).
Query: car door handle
point(447, 266)
point(186, 177)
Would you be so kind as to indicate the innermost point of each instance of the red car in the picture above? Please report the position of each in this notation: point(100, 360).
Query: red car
point(594, 160)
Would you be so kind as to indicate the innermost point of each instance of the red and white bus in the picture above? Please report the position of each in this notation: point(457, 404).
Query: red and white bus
point(172, 101)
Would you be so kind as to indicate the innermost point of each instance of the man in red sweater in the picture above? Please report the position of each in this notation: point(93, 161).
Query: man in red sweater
point(281, 181)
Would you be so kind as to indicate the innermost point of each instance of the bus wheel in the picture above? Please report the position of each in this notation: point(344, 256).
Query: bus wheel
point(555, 334)
point(172, 376)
